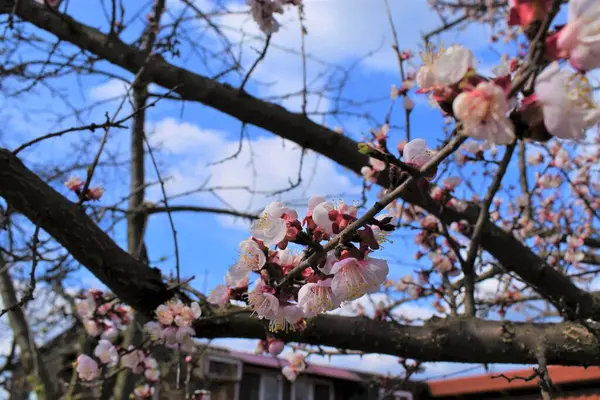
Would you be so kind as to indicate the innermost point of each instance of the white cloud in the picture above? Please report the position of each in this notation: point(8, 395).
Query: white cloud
point(111, 89)
point(341, 33)
point(262, 166)
point(170, 135)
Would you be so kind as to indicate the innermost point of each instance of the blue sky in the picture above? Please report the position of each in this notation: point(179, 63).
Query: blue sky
point(340, 32)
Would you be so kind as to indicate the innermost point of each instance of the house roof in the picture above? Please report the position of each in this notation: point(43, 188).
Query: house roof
point(278, 363)
point(485, 383)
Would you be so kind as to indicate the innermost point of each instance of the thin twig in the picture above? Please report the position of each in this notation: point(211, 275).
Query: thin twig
point(374, 210)
point(164, 193)
point(468, 266)
point(262, 55)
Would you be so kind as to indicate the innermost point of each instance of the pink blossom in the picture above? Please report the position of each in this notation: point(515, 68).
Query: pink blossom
point(562, 159)
point(288, 258)
point(269, 229)
point(154, 330)
point(164, 314)
point(313, 202)
point(169, 335)
point(379, 234)
point(252, 257)
point(296, 366)
point(92, 328)
point(280, 210)
point(329, 261)
point(287, 316)
point(262, 12)
point(196, 310)
point(405, 283)
point(353, 278)
point(133, 360)
point(237, 277)
point(87, 368)
point(290, 373)
point(446, 67)
point(219, 295)
point(314, 298)
point(548, 181)
point(483, 113)
point(107, 353)
point(188, 315)
point(184, 337)
point(176, 306)
point(535, 158)
point(95, 193)
point(567, 101)
point(579, 39)
point(74, 184)
point(416, 154)
point(110, 333)
point(263, 302)
point(328, 218)
point(152, 372)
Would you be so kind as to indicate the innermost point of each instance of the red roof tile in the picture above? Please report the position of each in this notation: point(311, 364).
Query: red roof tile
point(485, 383)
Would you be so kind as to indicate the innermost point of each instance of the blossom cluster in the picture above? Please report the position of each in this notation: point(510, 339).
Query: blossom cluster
point(108, 355)
point(174, 325)
point(76, 185)
point(345, 274)
point(562, 104)
point(173, 328)
point(102, 315)
point(263, 12)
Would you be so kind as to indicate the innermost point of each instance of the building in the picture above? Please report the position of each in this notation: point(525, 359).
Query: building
point(570, 383)
point(226, 375)
point(233, 375)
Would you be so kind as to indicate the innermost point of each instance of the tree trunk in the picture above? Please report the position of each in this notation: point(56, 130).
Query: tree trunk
point(33, 365)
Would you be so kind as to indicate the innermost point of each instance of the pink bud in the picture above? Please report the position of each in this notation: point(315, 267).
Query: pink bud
point(188, 359)
point(276, 347)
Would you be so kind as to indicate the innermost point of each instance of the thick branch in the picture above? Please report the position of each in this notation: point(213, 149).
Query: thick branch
point(512, 254)
point(130, 279)
point(455, 339)
point(463, 340)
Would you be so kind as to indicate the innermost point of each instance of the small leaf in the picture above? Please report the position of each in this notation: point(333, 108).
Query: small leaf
point(364, 148)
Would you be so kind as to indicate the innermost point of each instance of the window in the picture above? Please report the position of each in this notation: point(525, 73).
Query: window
point(322, 392)
point(312, 389)
point(270, 388)
point(261, 385)
point(302, 389)
point(250, 386)
point(223, 368)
